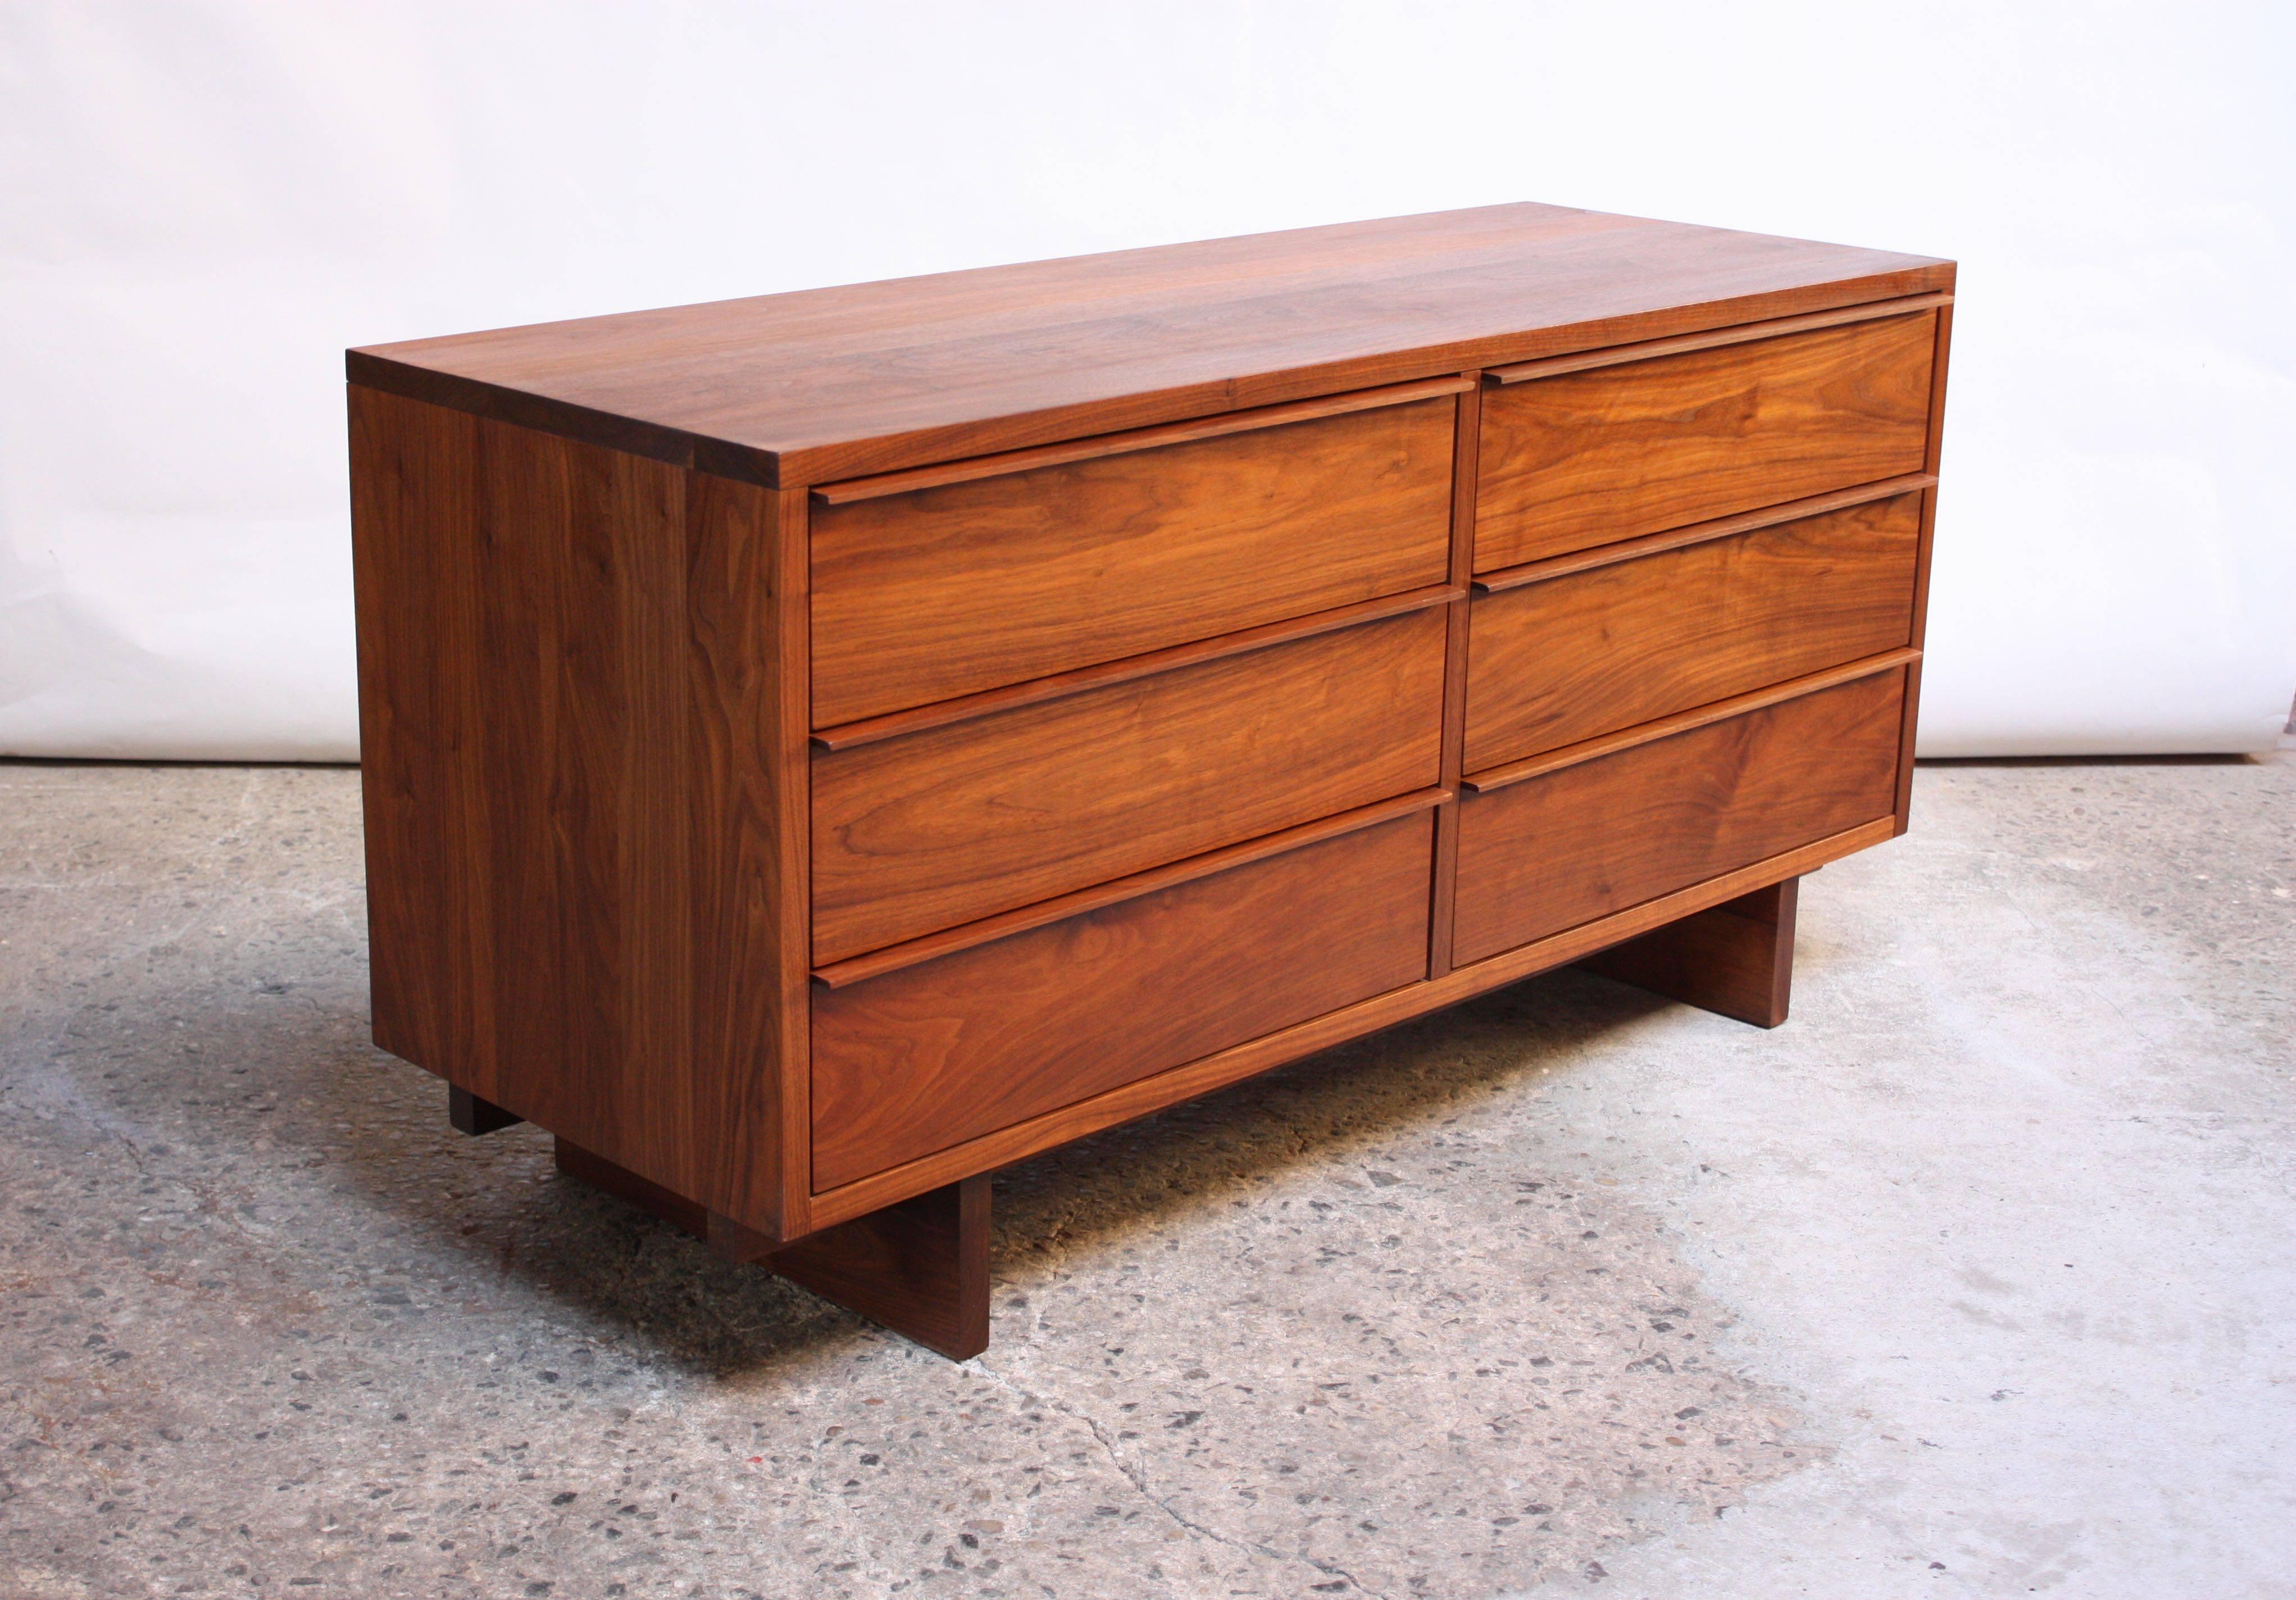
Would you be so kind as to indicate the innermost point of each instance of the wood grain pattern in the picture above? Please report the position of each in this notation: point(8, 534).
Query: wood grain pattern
point(825, 384)
point(920, 1266)
point(1735, 958)
point(1666, 727)
point(944, 592)
point(1523, 372)
point(519, 601)
point(1572, 846)
point(933, 1055)
point(894, 724)
point(418, 610)
point(746, 569)
point(1592, 652)
point(1592, 457)
point(1153, 1094)
point(545, 704)
point(959, 823)
point(1133, 439)
point(964, 936)
point(1502, 579)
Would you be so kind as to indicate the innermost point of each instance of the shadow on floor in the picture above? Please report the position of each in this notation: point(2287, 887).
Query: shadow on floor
point(498, 1201)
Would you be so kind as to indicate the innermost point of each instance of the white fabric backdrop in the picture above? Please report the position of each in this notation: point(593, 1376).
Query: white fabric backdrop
point(205, 202)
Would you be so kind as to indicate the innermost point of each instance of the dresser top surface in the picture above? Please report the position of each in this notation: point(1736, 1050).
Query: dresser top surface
point(827, 383)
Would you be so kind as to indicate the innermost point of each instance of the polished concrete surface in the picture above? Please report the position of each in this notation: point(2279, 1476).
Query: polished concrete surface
point(1974, 1278)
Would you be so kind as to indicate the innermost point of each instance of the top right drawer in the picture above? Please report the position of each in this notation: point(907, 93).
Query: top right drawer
point(1589, 456)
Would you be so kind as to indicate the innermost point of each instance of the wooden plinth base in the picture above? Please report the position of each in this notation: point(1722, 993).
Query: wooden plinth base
point(920, 1268)
point(471, 1115)
point(1737, 959)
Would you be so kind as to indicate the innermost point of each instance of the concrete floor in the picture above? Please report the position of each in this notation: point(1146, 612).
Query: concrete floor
point(1974, 1279)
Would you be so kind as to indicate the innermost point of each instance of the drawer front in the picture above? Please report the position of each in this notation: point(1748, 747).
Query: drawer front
point(946, 591)
point(1549, 853)
point(929, 1056)
point(933, 829)
point(1591, 653)
point(1588, 457)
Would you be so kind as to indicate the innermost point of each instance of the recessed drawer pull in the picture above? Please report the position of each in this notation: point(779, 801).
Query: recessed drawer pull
point(1549, 366)
point(912, 836)
point(933, 1055)
point(891, 725)
point(1619, 644)
point(838, 974)
point(1698, 533)
point(1137, 438)
point(1601, 837)
point(1674, 437)
point(1664, 727)
point(986, 582)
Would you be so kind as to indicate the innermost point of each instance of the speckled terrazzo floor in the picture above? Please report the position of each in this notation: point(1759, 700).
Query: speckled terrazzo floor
point(1974, 1278)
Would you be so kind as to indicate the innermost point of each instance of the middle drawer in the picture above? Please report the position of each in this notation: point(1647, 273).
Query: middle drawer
point(924, 832)
point(1588, 652)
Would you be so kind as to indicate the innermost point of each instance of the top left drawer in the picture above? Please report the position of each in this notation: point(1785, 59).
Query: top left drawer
point(950, 589)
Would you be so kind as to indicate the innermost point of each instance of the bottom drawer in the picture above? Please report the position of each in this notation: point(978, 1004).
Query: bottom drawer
point(929, 1056)
point(1564, 847)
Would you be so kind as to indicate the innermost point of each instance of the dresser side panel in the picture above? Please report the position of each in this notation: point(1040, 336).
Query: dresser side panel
point(414, 559)
point(530, 714)
point(747, 683)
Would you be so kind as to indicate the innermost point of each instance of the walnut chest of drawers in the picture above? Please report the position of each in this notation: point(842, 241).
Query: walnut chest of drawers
point(822, 748)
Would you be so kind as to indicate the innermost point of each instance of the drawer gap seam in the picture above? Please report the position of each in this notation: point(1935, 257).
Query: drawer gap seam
point(910, 480)
point(1617, 354)
point(1175, 1085)
point(1501, 578)
point(965, 936)
point(1683, 722)
point(1060, 686)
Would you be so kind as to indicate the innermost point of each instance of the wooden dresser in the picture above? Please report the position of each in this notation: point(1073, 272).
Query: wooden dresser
point(822, 748)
